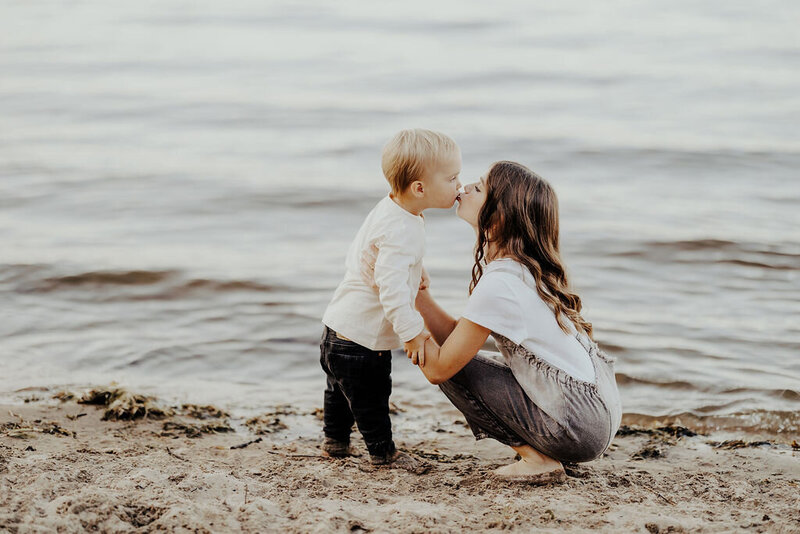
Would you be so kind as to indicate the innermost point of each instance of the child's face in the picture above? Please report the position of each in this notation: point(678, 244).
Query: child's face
point(441, 182)
point(471, 201)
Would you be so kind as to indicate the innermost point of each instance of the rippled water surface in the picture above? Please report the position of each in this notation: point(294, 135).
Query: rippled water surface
point(179, 183)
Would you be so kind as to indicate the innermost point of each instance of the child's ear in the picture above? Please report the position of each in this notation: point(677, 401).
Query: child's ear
point(417, 188)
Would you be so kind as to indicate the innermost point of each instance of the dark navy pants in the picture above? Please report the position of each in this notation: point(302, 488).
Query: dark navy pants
point(358, 389)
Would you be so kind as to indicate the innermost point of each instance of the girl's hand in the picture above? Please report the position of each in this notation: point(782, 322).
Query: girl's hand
point(431, 351)
point(425, 281)
point(415, 348)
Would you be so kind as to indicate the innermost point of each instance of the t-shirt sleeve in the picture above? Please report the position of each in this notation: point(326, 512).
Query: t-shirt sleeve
point(393, 264)
point(494, 305)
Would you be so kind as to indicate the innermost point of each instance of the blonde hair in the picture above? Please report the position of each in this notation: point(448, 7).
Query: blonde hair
point(406, 154)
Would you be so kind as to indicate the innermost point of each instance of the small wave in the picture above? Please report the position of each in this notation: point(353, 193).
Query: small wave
point(163, 357)
point(712, 251)
point(39, 279)
point(786, 394)
point(794, 201)
point(732, 157)
point(760, 265)
point(127, 278)
point(18, 273)
point(624, 380)
point(229, 285)
point(128, 285)
point(294, 199)
point(693, 244)
point(755, 421)
point(303, 21)
point(717, 408)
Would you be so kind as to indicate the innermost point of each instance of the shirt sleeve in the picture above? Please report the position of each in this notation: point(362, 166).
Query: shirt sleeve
point(494, 305)
point(393, 265)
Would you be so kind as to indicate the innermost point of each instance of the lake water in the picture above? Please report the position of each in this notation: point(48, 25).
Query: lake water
point(179, 183)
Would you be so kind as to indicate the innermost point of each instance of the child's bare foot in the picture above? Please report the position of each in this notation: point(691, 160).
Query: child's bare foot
point(401, 460)
point(337, 449)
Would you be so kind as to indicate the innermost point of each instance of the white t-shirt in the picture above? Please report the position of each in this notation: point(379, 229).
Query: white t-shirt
point(374, 303)
point(507, 303)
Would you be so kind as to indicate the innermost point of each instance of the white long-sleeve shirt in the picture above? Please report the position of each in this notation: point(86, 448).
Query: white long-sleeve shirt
point(374, 304)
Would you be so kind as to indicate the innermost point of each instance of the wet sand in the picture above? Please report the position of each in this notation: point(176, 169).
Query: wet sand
point(63, 468)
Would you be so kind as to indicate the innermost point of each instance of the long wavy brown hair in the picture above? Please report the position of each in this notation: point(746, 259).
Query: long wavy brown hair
point(520, 220)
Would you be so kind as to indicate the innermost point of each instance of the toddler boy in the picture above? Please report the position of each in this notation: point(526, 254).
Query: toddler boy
point(372, 310)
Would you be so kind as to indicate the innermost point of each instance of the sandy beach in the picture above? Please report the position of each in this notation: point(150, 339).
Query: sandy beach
point(67, 466)
point(181, 182)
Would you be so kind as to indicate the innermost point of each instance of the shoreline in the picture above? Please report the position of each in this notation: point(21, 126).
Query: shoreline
point(196, 469)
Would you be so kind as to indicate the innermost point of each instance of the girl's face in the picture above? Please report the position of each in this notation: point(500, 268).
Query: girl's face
point(471, 200)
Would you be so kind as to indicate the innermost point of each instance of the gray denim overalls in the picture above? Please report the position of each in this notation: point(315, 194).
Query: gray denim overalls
point(525, 400)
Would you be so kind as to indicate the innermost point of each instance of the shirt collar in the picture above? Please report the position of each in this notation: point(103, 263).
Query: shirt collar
point(400, 209)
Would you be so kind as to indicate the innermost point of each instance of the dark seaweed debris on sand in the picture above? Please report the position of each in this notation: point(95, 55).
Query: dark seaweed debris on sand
point(739, 444)
point(675, 431)
point(23, 429)
point(648, 451)
point(659, 438)
point(172, 428)
point(124, 405)
point(208, 411)
point(442, 458)
point(668, 436)
point(246, 444)
point(265, 424)
point(271, 422)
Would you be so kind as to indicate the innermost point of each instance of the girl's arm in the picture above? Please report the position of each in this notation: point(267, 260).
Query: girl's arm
point(463, 343)
point(438, 322)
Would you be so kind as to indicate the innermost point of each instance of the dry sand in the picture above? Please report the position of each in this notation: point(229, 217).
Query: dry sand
point(65, 469)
